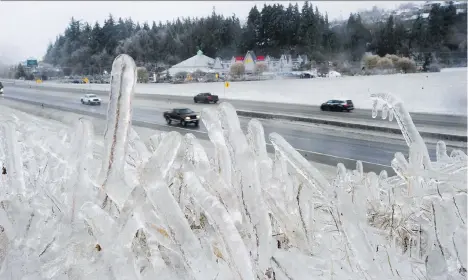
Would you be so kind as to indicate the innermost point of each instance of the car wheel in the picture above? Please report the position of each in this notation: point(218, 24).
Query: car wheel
point(89, 102)
point(196, 123)
point(183, 123)
point(216, 101)
point(168, 120)
point(82, 102)
point(195, 101)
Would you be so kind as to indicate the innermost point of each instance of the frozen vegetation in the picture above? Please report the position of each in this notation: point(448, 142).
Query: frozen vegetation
point(162, 209)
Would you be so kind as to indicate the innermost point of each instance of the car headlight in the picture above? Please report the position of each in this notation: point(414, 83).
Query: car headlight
point(187, 118)
point(1, 89)
point(198, 116)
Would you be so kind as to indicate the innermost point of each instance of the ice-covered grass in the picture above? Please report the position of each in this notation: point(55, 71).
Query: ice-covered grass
point(162, 209)
point(439, 93)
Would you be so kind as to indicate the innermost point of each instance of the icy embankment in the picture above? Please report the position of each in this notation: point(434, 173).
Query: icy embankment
point(162, 209)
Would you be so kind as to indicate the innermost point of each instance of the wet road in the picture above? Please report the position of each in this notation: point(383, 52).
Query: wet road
point(420, 119)
point(328, 146)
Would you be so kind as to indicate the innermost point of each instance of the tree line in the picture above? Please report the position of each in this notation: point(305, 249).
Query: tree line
point(274, 30)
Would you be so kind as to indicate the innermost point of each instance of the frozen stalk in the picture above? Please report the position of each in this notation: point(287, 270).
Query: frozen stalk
point(119, 118)
point(408, 129)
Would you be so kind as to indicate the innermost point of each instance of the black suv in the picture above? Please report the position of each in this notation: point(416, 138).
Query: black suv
point(338, 105)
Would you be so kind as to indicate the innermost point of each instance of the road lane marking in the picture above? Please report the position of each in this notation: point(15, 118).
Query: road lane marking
point(184, 129)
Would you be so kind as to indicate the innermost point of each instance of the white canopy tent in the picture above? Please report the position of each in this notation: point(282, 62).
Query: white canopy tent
point(199, 62)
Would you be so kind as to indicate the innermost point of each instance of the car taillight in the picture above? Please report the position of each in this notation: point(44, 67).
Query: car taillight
point(209, 97)
point(345, 105)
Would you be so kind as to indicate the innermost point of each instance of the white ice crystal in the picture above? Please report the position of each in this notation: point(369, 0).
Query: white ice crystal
point(162, 209)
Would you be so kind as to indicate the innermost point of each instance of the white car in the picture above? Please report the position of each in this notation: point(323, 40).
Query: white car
point(91, 99)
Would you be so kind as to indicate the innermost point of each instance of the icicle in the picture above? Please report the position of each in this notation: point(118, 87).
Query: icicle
point(385, 110)
point(390, 115)
point(374, 109)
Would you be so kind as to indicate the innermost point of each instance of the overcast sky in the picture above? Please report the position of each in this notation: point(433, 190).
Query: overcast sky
point(27, 27)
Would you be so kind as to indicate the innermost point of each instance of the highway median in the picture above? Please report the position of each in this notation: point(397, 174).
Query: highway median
point(351, 124)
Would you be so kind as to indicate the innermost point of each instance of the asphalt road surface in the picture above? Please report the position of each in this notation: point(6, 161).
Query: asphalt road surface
point(419, 119)
point(315, 143)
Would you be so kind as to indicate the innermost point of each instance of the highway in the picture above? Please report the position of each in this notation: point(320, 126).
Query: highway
point(325, 145)
point(453, 122)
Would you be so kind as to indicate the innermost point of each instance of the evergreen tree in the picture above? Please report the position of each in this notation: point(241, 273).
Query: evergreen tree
point(272, 30)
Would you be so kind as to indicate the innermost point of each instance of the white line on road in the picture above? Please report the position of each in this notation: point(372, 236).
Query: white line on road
point(192, 131)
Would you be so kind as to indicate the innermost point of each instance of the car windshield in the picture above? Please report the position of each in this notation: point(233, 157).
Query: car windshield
point(185, 111)
point(92, 95)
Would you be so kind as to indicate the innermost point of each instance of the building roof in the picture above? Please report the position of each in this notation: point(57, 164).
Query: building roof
point(252, 55)
point(197, 62)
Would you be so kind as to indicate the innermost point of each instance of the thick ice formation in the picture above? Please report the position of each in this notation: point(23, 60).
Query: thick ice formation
point(162, 209)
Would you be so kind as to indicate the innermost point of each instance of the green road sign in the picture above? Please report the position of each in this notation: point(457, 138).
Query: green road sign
point(31, 62)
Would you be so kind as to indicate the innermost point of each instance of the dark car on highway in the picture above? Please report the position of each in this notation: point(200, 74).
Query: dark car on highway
point(183, 116)
point(338, 105)
point(205, 97)
point(1, 88)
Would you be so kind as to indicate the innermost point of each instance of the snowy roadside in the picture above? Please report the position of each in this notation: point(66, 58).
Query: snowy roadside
point(443, 89)
point(57, 117)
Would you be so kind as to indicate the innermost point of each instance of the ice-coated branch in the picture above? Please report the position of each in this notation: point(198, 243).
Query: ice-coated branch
point(408, 129)
point(303, 167)
point(119, 118)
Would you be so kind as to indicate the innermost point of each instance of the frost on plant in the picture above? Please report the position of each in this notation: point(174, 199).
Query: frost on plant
point(161, 208)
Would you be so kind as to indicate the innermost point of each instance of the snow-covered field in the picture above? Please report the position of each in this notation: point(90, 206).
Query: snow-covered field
point(73, 207)
point(443, 92)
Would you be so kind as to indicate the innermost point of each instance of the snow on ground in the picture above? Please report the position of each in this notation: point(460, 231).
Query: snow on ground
point(443, 92)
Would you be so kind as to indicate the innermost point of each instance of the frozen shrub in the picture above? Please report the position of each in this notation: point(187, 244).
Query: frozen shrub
point(180, 75)
point(394, 58)
point(318, 57)
point(406, 65)
point(142, 74)
point(198, 74)
point(434, 67)
point(323, 69)
point(237, 69)
point(384, 63)
point(260, 67)
point(77, 207)
point(370, 61)
point(347, 68)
